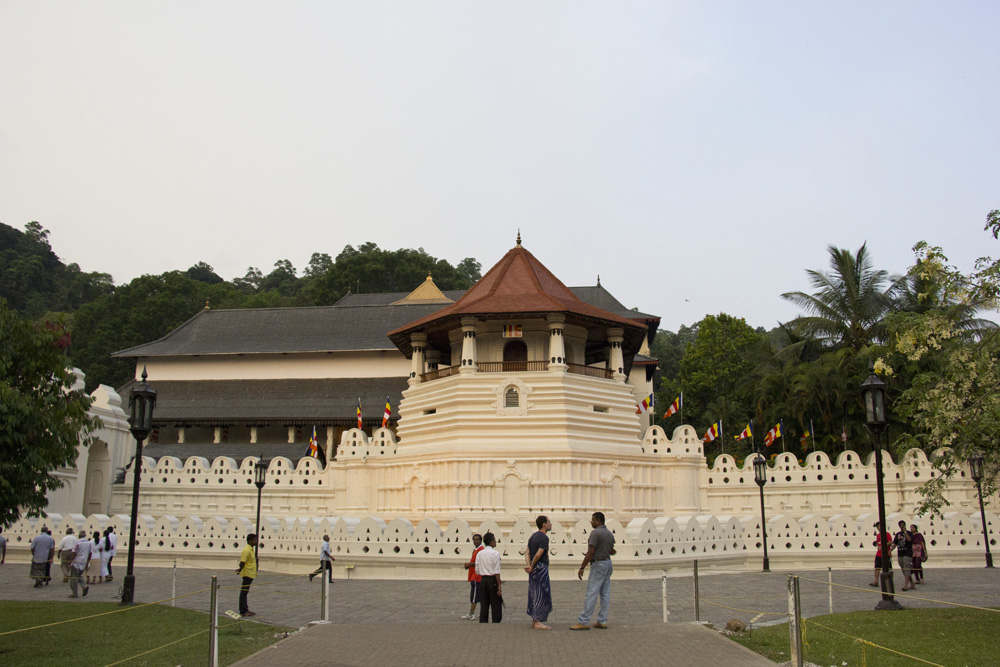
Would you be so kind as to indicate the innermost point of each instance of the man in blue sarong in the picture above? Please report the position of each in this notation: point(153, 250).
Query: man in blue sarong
point(539, 589)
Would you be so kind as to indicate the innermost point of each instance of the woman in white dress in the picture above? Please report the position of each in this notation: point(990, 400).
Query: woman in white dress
point(106, 554)
point(95, 558)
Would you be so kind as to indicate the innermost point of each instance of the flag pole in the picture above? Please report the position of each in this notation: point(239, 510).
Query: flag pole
point(782, 423)
point(722, 439)
point(812, 434)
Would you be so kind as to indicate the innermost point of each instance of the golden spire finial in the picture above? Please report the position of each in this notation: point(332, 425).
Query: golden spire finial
point(206, 305)
point(519, 238)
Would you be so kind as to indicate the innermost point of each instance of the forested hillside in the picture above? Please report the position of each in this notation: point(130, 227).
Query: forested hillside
point(103, 318)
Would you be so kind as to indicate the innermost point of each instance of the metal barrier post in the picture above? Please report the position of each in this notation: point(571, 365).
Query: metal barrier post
point(697, 599)
point(794, 621)
point(213, 625)
point(173, 588)
point(324, 609)
point(666, 614)
point(829, 576)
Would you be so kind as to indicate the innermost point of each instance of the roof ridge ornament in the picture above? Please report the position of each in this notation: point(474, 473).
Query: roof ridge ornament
point(207, 307)
point(598, 279)
point(518, 237)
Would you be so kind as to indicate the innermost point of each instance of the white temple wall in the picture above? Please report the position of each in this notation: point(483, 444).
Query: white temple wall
point(373, 548)
point(361, 364)
point(87, 484)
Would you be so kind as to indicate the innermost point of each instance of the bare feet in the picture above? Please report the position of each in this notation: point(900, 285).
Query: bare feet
point(540, 626)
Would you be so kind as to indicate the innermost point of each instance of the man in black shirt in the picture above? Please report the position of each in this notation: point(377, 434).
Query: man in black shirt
point(904, 553)
point(539, 589)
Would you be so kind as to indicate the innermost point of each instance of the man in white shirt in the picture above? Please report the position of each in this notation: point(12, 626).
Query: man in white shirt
point(42, 547)
point(66, 547)
point(81, 560)
point(325, 560)
point(488, 567)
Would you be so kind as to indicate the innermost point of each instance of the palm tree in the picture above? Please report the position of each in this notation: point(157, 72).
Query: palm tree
point(849, 304)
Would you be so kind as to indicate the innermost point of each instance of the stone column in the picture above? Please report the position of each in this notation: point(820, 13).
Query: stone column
point(616, 360)
point(433, 359)
point(418, 342)
point(557, 343)
point(291, 434)
point(180, 438)
point(469, 355)
point(217, 437)
point(253, 435)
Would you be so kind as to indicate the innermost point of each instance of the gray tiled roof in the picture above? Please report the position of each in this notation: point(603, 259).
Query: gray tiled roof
point(598, 296)
point(295, 401)
point(283, 330)
point(356, 322)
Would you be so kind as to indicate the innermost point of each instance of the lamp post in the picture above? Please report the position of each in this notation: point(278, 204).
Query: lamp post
point(760, 476)
point(259, 479)
point(141, 403)
point(873, 397)
point(976, 465)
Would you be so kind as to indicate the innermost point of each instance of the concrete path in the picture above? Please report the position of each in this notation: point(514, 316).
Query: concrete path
point(419, 622)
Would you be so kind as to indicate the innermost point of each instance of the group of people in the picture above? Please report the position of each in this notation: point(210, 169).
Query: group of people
point(76, 554)
point(911, 553)
point(486, 586)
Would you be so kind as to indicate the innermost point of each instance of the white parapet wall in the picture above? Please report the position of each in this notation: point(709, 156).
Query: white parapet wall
point(373, 548)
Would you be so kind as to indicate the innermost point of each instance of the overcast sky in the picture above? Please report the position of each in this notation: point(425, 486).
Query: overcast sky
point(698, 156)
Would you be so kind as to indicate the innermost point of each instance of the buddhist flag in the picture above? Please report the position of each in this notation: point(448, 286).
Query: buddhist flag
point(805, 439)
point(713, 432)
point(746, 433)
point(675, 406)
point(772, 435)
point(387, 413)
point(512, 331)
point(646, 404)
point(843, 436)
point(314, 449)
point(359, 412)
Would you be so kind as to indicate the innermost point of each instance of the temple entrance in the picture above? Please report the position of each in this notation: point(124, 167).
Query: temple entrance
point(515, 356)
point(96, 486)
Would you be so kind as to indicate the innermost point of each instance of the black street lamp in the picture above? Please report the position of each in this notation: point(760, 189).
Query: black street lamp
point(976, 464)
point(260, 479)
point(760, 476)
point(142, 402)
point(873, 397)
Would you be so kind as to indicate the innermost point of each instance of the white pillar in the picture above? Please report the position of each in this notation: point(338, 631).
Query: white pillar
point(557, 343)
point(616, 360)
point(253, 435)
point(469, 355)
point(217, 438)
point(418, 342)
point(433, 359)
point(291, 434)
point(180, 436)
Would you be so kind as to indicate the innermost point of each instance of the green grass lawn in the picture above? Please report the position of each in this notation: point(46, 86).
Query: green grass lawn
point(952, 637)
point(106, 640)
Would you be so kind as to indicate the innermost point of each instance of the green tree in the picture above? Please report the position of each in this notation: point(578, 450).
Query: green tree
point(953, 399)
point(204, 273)
point(43, 419)
point(849, 304)
point(716, 373)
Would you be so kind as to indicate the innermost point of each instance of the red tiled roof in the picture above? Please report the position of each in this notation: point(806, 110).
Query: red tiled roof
point(517, 284)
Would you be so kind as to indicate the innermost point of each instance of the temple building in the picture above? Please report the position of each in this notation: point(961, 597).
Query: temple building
point(254, 382)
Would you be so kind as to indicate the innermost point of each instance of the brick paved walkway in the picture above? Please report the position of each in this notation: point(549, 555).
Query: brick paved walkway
point(418, 622)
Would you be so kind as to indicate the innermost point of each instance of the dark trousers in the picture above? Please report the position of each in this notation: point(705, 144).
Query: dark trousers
point(489, 599)
point(110, 573)
point(244, 591)
point(324, 565)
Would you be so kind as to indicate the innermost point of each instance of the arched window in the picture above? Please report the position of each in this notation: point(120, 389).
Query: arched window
point(511, 398)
